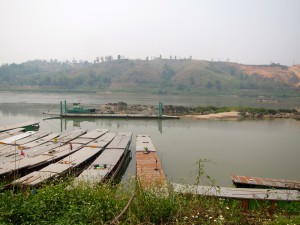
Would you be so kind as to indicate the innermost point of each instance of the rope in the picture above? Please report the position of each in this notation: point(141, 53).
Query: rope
point(116, 219)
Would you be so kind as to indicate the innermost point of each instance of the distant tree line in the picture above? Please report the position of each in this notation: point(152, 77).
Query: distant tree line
point(157, 76)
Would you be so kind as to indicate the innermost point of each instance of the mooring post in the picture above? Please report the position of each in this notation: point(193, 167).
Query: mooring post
point(65, 107)
point(160, 109)
point(61, 108)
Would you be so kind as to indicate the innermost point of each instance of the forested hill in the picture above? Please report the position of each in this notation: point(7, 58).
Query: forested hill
point(162, 76)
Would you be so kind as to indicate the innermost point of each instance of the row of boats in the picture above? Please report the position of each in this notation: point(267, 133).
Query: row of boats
point(31, 158)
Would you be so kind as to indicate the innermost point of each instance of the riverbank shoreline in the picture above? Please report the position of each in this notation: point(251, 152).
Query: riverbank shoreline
point(213, 116)
point(235, 115)
point(120, 109)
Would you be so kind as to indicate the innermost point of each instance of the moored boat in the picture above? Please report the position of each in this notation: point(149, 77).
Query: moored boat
point(71, 163)
point(19, 159)
point(108, 164)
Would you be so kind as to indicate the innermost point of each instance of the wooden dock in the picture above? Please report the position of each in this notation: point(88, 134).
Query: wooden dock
point(20, 125)
point(115, 116)
point(246, 195)
point(252, 182)
point(239, 193)
point(148, 167)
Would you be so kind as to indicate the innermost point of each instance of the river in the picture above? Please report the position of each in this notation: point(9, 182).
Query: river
point(265, 148)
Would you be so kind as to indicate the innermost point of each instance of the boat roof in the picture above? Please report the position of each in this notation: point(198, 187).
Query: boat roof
point(102, 166)
point(144, 142)
point(41, 141)
point(10, 133)
point(103, 140)
point(56, 169)
point(17, 137)
point(121, 141)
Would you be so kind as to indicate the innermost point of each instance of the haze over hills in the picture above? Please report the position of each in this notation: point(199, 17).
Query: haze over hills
point(159, 76)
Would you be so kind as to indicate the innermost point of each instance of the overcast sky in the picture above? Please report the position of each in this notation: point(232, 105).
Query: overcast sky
point(244, 31)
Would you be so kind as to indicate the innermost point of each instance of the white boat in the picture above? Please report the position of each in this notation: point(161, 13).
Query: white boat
point(69, 163)
point(108, 164)
point(13, 161)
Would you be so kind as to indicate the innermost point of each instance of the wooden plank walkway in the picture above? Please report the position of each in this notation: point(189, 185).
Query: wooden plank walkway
point(20, 125)
point(239, 193)
point(247, 181)
point(148, 167)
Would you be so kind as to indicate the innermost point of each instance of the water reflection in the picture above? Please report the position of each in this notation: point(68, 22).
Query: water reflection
point(53, 99)
point(267, 148)
point(106, 122)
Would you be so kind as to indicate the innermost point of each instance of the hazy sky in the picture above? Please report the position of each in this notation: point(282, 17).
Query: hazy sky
point(244, 31)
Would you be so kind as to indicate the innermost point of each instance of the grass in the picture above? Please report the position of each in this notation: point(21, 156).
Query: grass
point(65, 203)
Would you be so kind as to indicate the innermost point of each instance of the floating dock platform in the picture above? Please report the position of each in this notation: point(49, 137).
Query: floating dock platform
point(253, 182)
point(114, 116)
point(239, 193)
point(148, 167)
point(245, 195)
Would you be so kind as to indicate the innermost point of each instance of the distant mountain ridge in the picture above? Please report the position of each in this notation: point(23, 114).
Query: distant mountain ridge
point(160, 76)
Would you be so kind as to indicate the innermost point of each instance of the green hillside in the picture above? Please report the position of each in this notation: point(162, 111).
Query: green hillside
point(160, 76)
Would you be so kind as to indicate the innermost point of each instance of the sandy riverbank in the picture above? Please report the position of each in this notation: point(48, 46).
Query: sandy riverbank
point(224, 115)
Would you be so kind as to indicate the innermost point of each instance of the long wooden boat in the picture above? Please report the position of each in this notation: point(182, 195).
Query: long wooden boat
point(110, 161)
point(27, 125)
point(12, 153)
point(38, 135)
point(10, 133)
point(15, 138)
point(37, 147)
point(258, 182)
point(16, 161)
point(72, 162)
point(148, 167)
point(40, 141)
point(10, 147)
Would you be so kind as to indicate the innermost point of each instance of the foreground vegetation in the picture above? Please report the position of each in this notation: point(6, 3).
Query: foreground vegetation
point(65, 203)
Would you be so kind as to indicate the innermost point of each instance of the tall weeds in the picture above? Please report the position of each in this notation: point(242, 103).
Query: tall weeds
point(67, 203)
